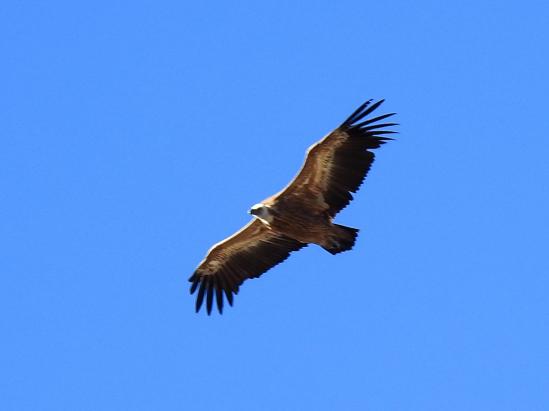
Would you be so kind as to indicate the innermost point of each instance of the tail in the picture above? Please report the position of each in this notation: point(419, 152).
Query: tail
point(342, 239)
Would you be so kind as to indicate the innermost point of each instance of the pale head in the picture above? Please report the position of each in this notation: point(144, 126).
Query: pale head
point(262, 212)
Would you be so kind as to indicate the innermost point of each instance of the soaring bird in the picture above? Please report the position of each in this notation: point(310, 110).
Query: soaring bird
point(301, 214)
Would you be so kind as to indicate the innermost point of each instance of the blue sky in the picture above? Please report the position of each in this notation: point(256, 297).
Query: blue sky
point(137, 134)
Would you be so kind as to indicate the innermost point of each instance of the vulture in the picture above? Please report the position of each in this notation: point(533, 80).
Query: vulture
point(301, 214)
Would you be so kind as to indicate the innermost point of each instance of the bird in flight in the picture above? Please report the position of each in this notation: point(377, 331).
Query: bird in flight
point(301, 214)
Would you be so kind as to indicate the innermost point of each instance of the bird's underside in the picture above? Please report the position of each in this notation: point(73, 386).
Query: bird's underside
point(300, 214)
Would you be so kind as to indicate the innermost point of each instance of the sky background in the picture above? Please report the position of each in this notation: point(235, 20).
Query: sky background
point(134, 135)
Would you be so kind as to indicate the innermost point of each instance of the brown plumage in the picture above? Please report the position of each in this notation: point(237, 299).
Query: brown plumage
point(300, 214)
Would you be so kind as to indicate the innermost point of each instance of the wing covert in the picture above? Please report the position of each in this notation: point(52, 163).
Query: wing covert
point(336, 166)
point(247, 254)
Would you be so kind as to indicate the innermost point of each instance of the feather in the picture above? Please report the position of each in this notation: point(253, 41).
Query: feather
point(363, 113)
point(334, 168)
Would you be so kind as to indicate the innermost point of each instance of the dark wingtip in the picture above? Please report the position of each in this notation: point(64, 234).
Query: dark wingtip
point(379, 125)
point(382, 132)
point(209, 289)
point(373, 120)
point(200, 296)
point(351, 119)
point(371, 129)
point(219, 298)
point(229, 296)
point(209, 296)
point(362, 112)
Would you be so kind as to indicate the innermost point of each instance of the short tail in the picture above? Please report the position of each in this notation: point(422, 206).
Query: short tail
point(343, 239)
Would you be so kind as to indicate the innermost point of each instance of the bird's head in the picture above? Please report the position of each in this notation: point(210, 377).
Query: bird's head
point(262, 212)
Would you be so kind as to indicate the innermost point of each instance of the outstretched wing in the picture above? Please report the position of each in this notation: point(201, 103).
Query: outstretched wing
point(247, 254)
point(336, 166)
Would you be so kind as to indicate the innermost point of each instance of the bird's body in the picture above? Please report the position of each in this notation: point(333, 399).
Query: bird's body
point(286, 217)
point(306, 228)
point(301, 214)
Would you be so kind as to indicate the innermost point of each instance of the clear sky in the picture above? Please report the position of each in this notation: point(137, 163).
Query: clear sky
point(134, 135)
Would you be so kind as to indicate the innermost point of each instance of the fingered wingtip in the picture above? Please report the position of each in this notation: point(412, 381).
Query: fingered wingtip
point(362, 112)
